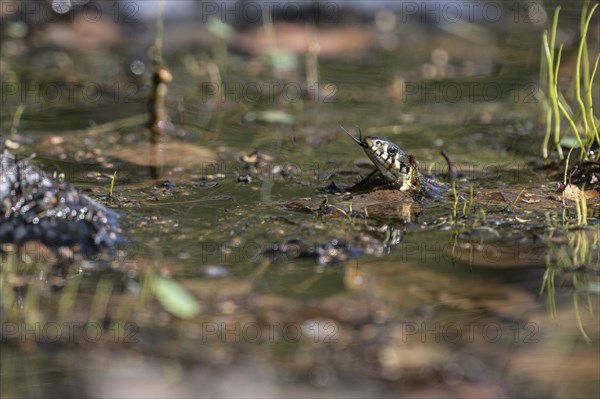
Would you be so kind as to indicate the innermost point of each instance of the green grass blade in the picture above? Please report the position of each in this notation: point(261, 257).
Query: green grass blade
point(590, 106)
point(582, 51)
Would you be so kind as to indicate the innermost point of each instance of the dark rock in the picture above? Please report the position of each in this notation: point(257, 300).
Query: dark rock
point(34, 207)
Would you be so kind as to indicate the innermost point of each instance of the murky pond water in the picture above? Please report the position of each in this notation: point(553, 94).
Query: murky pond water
point(486, 294)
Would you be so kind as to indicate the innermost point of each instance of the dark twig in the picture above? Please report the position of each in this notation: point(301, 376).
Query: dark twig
point(452, 172)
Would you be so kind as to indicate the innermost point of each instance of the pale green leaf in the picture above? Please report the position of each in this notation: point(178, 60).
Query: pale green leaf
point(175, 299)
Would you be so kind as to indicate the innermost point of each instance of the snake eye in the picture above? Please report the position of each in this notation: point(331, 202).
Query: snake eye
point(392, 150)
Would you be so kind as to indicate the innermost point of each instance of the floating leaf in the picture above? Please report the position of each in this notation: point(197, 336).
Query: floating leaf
point(175, 299)
point(572, 192)
point(300, 206)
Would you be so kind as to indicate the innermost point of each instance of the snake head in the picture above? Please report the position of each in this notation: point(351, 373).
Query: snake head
point(392, 162)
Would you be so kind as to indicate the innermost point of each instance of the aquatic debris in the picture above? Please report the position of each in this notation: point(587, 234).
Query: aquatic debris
point(206, 183)
point(573, 193)
point(333, 189)
point(244, 179)
point(587, 173)
point(34, 207)
point(260, 164)
point(216, 271)
point(332, 252)
point(168, 185)
point(325, 209)
point(270, 116)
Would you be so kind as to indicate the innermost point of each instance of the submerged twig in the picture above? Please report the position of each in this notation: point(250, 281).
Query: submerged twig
point(157, 114)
